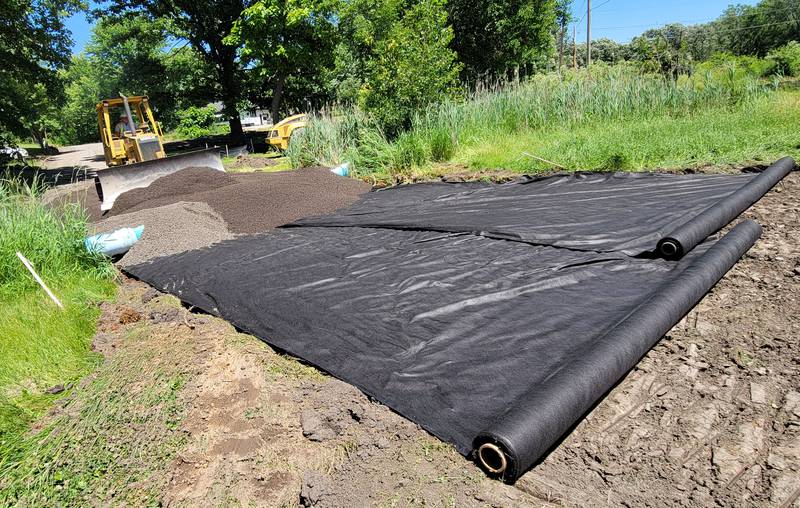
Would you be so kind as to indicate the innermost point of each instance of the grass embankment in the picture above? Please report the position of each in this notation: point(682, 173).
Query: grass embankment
point(40, 345)
point(614, 119)
point(759, 130)
point(114, 438)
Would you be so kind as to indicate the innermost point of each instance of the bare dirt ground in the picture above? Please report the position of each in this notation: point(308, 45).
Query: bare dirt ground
point(710, 417)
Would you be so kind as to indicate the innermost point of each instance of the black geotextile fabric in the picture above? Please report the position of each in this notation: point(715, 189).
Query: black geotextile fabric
point(476, 338)
point(605, 212)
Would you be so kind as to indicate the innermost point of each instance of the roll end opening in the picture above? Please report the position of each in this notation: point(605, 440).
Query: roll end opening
point(669, 248)
point(492, 458)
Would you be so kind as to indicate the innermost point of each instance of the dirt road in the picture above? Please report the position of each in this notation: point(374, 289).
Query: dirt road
point(88, 156)
point(710, 416)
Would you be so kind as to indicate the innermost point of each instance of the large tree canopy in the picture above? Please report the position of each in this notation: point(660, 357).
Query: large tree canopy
point(757, 29)
point(132, 55)
point(205, 24)
point(288, 44)
point(494, 37)
point(34, 45)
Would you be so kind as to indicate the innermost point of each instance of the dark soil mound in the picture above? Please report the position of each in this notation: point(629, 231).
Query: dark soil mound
point(253, 202)
point(171, 189)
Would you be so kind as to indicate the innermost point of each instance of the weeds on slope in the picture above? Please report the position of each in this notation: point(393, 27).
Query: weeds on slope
point(41, 345)
point(112, 440)
point(610, 94)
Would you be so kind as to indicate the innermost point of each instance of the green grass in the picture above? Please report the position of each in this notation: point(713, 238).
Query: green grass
point(282, 163)
point(757, 131)
point(42, 346)
point(114, 438)
point(614, 119)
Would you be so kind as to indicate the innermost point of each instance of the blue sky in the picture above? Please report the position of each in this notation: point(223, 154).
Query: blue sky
point(616, 19)
point(622, 20)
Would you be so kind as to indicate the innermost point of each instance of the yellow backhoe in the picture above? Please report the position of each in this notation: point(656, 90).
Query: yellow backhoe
point(281, 133)
point(134, 149)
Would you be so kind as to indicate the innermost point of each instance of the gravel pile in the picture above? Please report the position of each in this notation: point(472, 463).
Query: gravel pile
point(252, 202)
point(169, 229)
point(182, 185)
point(197, 207)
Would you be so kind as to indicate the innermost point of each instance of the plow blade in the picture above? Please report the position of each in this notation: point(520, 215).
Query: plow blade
point(112, 182)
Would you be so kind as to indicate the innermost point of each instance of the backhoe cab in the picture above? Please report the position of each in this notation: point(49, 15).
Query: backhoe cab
point(129, 131)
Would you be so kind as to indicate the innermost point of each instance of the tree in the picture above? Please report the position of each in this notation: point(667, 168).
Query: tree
point(289, 45)
point(34, 45)
point(495, 37)
point(757, 29)
point(130, 55)
point(205, 24)
point(563, 17)
point(609, 51)
point(663, 50)
point(394, 58)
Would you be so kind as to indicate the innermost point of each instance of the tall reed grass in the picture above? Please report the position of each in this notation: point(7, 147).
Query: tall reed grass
point(542, 102)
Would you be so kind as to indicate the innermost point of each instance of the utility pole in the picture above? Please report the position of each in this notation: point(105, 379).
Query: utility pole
point(588, 33)
point(574, 48)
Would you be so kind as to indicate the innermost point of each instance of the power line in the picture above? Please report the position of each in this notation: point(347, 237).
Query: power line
point(695, 22)
point(583, 11)
point(598, 6)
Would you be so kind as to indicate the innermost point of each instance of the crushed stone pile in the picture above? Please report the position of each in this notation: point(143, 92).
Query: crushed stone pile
point(249, 203)
point(168, 230)
point(198, 207)
point(172, 188)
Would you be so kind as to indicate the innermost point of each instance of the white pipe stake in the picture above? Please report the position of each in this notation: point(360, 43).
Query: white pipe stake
point(543, 160)
point(38, 279)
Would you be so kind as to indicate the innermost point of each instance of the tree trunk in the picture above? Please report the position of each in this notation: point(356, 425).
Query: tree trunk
point(40, 136)
point(235, 125)
point(277, 96)
point(231, 91)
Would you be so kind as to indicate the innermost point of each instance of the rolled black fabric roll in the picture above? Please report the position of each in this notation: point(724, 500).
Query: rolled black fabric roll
point(688, 235)
point(521, 436)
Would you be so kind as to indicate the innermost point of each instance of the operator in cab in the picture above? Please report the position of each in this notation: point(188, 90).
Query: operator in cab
point(122, 126)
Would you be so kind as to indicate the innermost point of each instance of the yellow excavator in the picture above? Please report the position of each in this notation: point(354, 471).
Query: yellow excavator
point(134, 149)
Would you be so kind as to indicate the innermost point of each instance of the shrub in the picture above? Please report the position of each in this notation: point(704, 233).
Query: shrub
point(786, 59)
point(195, 122)
point(410, 150)
point(735, 67)
point(395, 59)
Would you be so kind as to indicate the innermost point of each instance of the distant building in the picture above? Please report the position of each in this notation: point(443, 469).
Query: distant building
point(252, 117)
point(255, 117)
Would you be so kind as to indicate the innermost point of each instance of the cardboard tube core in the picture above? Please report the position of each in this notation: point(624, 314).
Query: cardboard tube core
point(669, 248)
point(492, 458)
